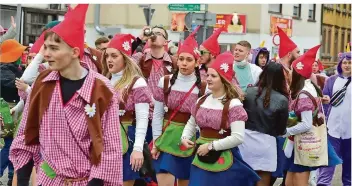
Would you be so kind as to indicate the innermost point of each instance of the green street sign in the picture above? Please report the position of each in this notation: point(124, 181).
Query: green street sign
point(186, 7)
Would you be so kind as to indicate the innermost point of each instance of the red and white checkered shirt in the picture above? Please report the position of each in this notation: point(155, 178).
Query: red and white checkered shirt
point(86, 60)
point(65, 140)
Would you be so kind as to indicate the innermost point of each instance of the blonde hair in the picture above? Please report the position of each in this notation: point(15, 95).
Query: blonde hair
point(130, 71)
point(230, 90)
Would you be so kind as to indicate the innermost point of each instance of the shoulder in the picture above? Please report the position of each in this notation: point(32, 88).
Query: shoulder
point(103, 79)
point(161, 81)
point(255, 67)
point(235, 102)
point(140, 83)
point(206, 95)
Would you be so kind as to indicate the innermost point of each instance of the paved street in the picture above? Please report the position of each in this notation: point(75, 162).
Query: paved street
point(336, 182)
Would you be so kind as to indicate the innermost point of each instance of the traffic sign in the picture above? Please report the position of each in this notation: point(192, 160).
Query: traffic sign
point(147, 13)
point(186, 7)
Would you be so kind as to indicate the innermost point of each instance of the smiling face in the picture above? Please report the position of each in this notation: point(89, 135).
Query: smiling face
point(346, 67)
point(114, 60)
point(58, 54)
point(186, 63)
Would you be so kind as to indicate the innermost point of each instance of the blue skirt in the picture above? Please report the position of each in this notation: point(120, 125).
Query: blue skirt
point(177, 166)
point(281, 158)
point(333, 160)
point(128, 173)
point(240, 174)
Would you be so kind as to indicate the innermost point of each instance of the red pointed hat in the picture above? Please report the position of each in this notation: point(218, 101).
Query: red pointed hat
point(123, 43)
point(71, 29)
point(304, 64)
point(223, 65)
point(286, 44)
point(212, 44)
point(38, 44)
point(190, 45)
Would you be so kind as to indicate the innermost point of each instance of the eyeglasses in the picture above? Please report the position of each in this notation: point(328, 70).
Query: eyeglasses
point(204, 52)
point(159, 34)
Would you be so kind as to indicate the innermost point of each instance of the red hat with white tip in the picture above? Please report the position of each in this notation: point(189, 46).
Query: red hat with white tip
point(223, 65)
point(123, 43)
point(190, 45)
point(286, 44)
point(304, 64)
point(71, 29)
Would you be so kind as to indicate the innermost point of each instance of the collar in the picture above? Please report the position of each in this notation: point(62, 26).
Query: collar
point(86, 89)
point(186, 78)
point(166, 57)
point(116, 77)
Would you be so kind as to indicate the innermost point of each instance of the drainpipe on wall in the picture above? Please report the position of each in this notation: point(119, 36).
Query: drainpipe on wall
point(97, 20)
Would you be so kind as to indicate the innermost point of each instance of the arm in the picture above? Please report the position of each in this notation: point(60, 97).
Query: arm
point(158, 114)
point(235, 139)
point(19, 107)
point(31, 71)
point(110, 167)
point(24, 94)
point(305, 125)
point(190, 129)
point(10, 34)
point(135, 44)
point(142, 99)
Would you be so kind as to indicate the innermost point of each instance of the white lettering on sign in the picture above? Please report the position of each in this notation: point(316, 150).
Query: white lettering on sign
point(221, 22)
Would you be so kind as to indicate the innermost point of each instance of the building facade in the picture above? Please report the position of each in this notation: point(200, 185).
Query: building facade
point(336, 31)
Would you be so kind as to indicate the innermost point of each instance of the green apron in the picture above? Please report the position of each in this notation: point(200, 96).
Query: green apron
point(124, 137)
point(170, 140)
point(224, 162)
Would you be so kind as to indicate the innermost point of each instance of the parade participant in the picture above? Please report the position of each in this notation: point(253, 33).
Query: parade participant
point(157, 62)
point(101, 43)
point(247, 74)
point(307, 106)
point(260, 57)
point(267, 107)
point(218, 160)
point(69, 94)
point(128, 81)
point(209, 49)
point(338, 113)
point(174, 98)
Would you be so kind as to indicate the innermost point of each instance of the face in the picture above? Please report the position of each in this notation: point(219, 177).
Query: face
point(241, 53)
point(346, 67)
point(30, 57)
point(102, 46)
point(315, 67)
point(114, 60)
point(294, 55)
point(158, 39)
point(262, 59)
point(205, 57)
point(59, 55)
point(186, 63)
point(214, 80)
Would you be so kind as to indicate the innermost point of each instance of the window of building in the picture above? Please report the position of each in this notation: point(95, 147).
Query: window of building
point(324, 41)
point(223, 48)
point(343, 43)
point(336, 41)
point(297, 10)
point(275, 8)
point(329, 42)
point(311, 13)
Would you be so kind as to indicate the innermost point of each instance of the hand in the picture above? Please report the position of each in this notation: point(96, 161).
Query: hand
point(12, 111)
point(203, 149)
point(136, 160)
point(187, 143)
point(142, 36)
point(325, 99)
point(13, 23)
point(155, 153)
point(21, 85)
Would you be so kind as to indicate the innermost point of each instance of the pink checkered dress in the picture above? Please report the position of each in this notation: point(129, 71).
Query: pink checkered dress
point(65, 140)
point(86, 60)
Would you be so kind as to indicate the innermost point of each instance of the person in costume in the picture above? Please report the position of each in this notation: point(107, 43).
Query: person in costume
point(221, 119)
point(174, 97)
point(209, 49)
point(306, 105)
point(69, 122)
point(260, 57)
point(10, 33)
point(247, 74)
point(128, 81)
point(338, 114)
point(267, 107)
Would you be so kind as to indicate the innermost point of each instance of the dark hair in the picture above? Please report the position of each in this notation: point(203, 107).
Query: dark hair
point(198, 82)
point(272, 78)
point(101, 40)
point(162, 28)
point(265, 54)
point(110, 36)
point(297, 85)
